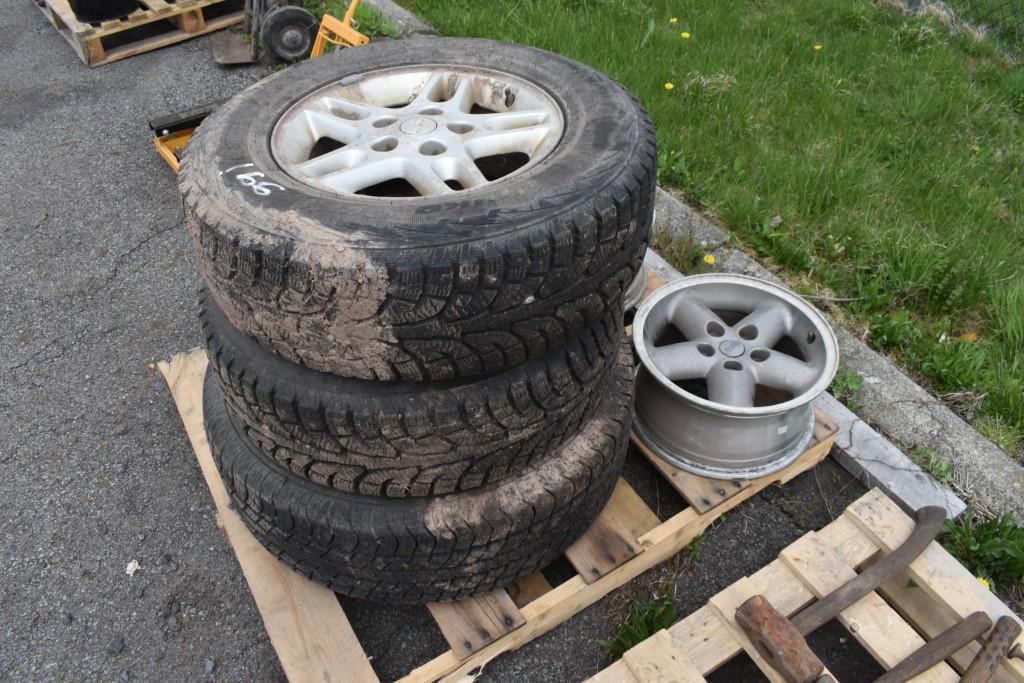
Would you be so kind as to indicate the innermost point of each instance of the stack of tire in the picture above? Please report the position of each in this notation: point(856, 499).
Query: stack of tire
point(421, 399)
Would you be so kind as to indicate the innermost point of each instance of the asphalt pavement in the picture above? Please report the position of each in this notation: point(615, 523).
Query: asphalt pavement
point(97, 282)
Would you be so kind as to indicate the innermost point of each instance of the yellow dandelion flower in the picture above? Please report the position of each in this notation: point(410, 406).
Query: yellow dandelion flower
point(984, 582)
point(674, 20)
point(669, 86)
point(685, 34)
point(817, 46)
point(709, 259)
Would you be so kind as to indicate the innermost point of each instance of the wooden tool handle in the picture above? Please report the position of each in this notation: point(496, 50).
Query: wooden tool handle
point(992, 654)
point(778, 641)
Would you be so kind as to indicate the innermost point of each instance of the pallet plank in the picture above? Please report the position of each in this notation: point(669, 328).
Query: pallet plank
point(936, 571)
point(930, 618)
point(874, 624)
point(612, 539)
point(186, 20)
point(528, 589)
point(473, 623)
point(656, 660)
point(725, 605)
point(305, 622)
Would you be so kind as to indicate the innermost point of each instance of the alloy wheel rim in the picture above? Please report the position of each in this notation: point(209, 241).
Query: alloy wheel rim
point(416, 132)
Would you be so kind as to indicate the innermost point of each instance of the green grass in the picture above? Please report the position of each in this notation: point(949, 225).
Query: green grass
point(846, 387)
point(367, 20)
point(993, 549)
point(928, 460)
point(645, 618)
point(894, 156)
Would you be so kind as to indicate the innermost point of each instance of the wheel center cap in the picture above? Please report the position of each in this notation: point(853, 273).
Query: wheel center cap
point(418, 125)
point(732, 348)
point(292, 38)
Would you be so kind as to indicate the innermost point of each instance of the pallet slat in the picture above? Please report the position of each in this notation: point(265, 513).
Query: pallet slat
point(305, 621)
point(875, 625)
point(612, 539)
point(470, 624)
point(184, 19)
point(656, 660)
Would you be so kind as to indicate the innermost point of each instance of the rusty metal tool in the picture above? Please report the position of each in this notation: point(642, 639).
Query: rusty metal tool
point(939, 648)
point(998, 647)
point(781, 641)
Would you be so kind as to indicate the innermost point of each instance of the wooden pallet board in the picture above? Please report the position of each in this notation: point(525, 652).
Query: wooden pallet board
point(311, 634)
point(156, 24)
point(889, 623)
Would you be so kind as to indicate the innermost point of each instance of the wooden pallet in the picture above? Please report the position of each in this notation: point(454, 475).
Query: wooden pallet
point(313, 638)
point(157, 23)
point(933, 593)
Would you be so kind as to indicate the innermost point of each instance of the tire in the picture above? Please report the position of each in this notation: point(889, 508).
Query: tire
point(417, 550)
point(401, 439)
point(287, 33)
point(455, 286)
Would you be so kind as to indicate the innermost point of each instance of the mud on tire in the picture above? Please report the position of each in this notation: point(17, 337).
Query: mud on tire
point(427, 288)
point(416, 550)
point(409, 439)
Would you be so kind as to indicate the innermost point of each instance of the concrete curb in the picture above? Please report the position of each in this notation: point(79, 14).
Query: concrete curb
point(891, 400)
point(407, 22)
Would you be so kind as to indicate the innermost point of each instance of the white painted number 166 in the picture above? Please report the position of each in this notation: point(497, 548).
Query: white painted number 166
point(251, 179)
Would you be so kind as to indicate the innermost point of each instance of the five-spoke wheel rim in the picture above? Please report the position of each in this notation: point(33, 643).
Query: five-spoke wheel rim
point(729, 368)
point(424, 131)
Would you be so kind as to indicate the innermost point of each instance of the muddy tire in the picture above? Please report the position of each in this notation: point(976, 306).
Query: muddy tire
point(458, 285)
point(416, 550)
point(409, 439)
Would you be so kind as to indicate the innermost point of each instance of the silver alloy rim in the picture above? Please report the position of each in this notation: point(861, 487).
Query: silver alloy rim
point(635, 291)
point(423, 131)
point(729, 368)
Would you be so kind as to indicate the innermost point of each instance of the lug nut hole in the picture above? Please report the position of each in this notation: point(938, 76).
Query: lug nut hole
point(759, 355)
point(715, 329)
point(384, 144)
point(459, 127)
point(748, 332)
point(706, 350)
point(431, 111)
point(384, 121)
point(432, 148)
point(732, 365)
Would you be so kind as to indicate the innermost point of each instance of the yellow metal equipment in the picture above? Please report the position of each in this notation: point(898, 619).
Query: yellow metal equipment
point(335, 32)
point(171, 140)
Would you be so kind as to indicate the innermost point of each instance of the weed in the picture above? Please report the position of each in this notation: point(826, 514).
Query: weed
point(928, 460)
point(846, 387)
point(682, 252)
point(367, 20)
point(993, 550)
point(645, 618)
point(694, 548)
point(1001, 434)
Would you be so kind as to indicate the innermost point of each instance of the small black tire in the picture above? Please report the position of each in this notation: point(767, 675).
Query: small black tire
point(287, 33)
point(418, 550)
point(428, 288)
point(409, 439)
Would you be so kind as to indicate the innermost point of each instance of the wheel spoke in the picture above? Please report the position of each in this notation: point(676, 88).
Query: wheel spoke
point(682, 361)
point(332, 162)
point(731, 387)
point(692, 317)
point(510, 119)
point(345, 109)
point(360, 177)
point(786, 373)
point(432, 89)
point(462, 99)
point(524, 140)
point(323, 125)
point(426, 181)
point(769, 322)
